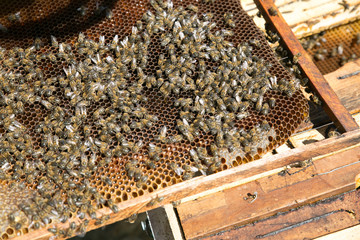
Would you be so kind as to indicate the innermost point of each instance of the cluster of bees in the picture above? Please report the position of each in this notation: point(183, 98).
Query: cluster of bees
point(315, 44)
point(209, 99)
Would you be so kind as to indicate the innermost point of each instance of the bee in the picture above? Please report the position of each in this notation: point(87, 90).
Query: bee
point(272, 11)
point(242, 115)
point(136, 125)
point(137, 146)
point(54, 42)
point(98, 112)
point(272, 102)
point(162, 135)
point(52, 230)
point(154, 152)
point(345, 5)
point(265, 126)
point(228, 18)
point(82, 10)
point(259, 103)
point(243, 106)
point(46, 104)
point(357, 38)
point(255, 42)
point(193, 8)
point(265, 109)
point(188, 176)
point(38, 43)
point(340, 49)
point(14, 17)
point(178, 170)
point(319, 57)
point(106, 180)
point(194, 156)
point(132, 218)
point(150, 164)
point(154, 201)
point(214, 167)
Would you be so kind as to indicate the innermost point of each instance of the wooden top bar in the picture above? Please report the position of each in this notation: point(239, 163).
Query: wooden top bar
point(332, 105)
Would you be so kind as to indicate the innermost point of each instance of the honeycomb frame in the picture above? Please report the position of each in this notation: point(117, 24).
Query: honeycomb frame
point(65, 21)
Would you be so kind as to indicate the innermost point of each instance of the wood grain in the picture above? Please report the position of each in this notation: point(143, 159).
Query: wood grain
point(308, 17)
point(307, 222)
point(280, 192)
point(332, 105)
point(347, 88)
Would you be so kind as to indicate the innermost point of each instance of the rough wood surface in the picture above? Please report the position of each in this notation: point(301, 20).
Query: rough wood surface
point(346, 83)
point(292, 187)
point(310, 221)
point(332, 105)
point(307, 17)
point(351, 233)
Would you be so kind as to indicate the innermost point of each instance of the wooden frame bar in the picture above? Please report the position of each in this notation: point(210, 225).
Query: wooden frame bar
point(290, 188)
point(329, 219)
point(332, 105)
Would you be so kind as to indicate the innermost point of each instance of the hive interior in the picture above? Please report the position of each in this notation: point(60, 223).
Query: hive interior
point(40, 19)
point(344, 35)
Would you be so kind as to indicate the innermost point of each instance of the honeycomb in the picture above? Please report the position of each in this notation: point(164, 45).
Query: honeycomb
point(56, 191)
point(324, 47)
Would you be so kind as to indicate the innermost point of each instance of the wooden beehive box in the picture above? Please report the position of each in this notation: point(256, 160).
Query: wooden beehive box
point(291, 177)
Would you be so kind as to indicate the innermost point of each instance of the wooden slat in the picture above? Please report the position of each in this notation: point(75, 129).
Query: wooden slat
point(351, 233)
point(310, 221)
point(332, 105)
point(217, 182)
point(346, 83)
point(288, 189)
point(309, 16)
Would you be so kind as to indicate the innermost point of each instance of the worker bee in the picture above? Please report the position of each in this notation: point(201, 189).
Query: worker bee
point(54, 42)
point(178, 170)
point(259, 103)
point(193, 8)
point(137, 146)
point(188, 176)
point(243, 106)
point(162, 135)
point(132, 218)
point(228, 18)
point(272, 11)
point(340, 49)
point(357, 38)
point(255, 42)
point(154, 201)
point(14, 17)
point(82, 10)
point(106, 180)
point(154, 152)
point(265, 109)
point(272, 102)
point(345, 5)
point(38, 43)
point(150, 164)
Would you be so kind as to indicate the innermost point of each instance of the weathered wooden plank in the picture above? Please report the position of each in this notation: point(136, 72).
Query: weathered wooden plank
point(351, 233)
point(288, 189)
point(332, 105)
point(346, 83)
point(310, 221)
point(308, 16)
